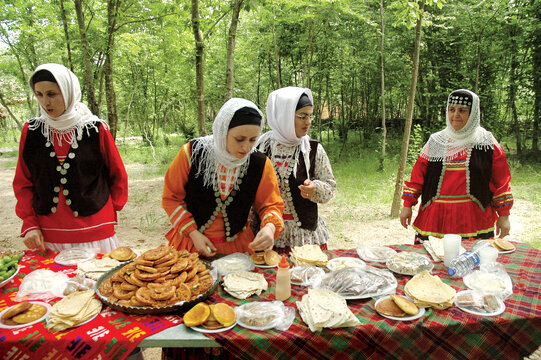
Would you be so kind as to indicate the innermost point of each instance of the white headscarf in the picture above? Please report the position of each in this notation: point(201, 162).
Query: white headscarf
point(281, 108)
point(449, 143)
point(212, 149)
point(75, 118)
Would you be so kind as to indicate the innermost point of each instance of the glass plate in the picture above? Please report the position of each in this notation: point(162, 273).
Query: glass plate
point(403, 318)
point(266, 266)
point(201, 329)
point(11, 277)
point(70, 257)
point(4, 326)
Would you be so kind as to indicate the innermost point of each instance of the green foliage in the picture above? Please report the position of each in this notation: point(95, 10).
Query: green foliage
point(417, 140)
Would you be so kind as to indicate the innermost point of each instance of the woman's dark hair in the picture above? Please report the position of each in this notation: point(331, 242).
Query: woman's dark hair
point(42, 75)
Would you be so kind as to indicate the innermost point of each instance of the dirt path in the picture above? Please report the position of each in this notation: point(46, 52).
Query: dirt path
point(143, 223)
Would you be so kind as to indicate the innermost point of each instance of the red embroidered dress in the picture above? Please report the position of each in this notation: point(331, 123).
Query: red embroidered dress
point(62, 226)
point(454, 210)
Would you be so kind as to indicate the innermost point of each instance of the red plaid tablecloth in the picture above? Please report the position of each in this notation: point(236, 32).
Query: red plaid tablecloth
point(111, 335)
point(439, 334)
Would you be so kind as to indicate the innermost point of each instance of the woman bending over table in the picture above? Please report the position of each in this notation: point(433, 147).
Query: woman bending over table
point(303, 168)
point(70, 180)
point(213, 182)
point(462, 177)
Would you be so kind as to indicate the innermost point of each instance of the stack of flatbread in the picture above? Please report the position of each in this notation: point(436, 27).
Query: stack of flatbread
point(95, 268)
point(322, 308)
point(74, 309)
point(434, 246)
point(244, 284)
point(428, 290)
point(308, 255)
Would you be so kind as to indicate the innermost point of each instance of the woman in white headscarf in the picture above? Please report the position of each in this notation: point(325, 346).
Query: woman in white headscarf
point(213, 182)
point(70, 180)
point(303, 168)
point(462, 177)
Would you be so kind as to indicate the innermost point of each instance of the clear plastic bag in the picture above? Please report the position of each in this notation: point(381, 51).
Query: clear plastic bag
point(265, 315)
point(42, 285)
point(306, 275)
point(491, 278)
point(375, 253)
point(233, 263)
point(359, 283)
point(78, 283)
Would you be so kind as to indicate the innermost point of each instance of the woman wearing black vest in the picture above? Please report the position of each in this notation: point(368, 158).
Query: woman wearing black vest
point(70, 180)
point(462, 177)
point(303, 168)
point(215, 180)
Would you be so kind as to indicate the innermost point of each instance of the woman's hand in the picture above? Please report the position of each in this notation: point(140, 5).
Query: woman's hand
point(308, 189)
point(202, 244)
point(264, 239)
point(405, 216)
point(503, 225)
point(34, 240)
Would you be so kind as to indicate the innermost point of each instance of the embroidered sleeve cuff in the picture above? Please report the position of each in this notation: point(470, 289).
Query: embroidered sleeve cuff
point(30, 223)
point(503, 203)
point(188, 228)
point(277, 220)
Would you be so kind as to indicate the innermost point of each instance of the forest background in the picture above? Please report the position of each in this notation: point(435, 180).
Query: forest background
point(159, 70)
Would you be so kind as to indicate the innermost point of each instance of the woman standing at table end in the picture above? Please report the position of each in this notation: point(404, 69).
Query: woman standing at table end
point(302, 167)
point(462, 177)
point(70, 180)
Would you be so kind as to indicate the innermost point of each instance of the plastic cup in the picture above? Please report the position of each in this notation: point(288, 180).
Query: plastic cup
point(488, 254)
point(451, 247)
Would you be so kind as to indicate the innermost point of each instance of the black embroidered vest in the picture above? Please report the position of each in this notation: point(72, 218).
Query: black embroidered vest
point(83, 174)
point(306, 210)
point(202, 201)
point(478, 176)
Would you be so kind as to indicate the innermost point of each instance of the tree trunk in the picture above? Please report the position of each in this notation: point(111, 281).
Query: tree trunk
point(513, 87)
point(230, 61)
point(66, 32)
point(276, 53)
point(200, 84)
point(536, 82)
point(3, 102)
point(382, 63)
point(88, 79)
point(112, 115)
point(395, 207)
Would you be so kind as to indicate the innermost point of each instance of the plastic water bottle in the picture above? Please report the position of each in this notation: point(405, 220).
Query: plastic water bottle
point(464, 263)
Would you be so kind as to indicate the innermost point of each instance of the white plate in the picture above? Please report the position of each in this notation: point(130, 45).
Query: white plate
point(384, 250)
point(469, 278)
point(212, 331)
point(4, 326)
point(70, 257)
point(476, 311)
point(266, 266)
point(11, 277)
point(403, 318)
point(334, 264)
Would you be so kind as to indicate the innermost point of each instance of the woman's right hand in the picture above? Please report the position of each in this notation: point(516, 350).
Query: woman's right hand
point(34, 240)
point(405, 216)
point(202, 244)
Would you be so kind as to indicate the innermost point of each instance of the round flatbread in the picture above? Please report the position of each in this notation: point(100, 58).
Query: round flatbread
point(406, 305)
point(388, 307)
point(15, 310)
point(35, 312)
point(504, 245)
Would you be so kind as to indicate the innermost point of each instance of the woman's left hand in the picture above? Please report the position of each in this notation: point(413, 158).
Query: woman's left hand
point(308, 189)
point(264, 239)
point(503, 225)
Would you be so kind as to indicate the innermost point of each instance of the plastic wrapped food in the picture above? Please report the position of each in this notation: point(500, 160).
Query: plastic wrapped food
point(42, 285)
point(233, 263)
point(306, 275)
point(491, 278)
point(265, 315)
point(409, 263)
point(359, 283)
